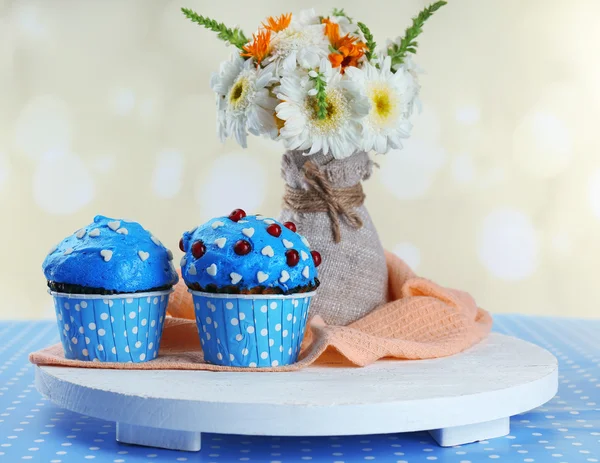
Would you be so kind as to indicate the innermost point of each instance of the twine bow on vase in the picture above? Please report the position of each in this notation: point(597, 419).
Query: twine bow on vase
point(321, 196)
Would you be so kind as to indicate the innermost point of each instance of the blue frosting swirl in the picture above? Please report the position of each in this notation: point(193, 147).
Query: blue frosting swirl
point(266, 264)
point(111, 254)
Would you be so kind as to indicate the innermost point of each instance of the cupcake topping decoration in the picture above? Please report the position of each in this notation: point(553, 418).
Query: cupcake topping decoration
point(249, 255)
point(111, 256)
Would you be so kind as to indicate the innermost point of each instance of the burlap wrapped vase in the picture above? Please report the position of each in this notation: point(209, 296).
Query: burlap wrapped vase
point(324, 198)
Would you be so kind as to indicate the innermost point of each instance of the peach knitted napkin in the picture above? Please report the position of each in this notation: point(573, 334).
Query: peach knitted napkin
point(423, 320)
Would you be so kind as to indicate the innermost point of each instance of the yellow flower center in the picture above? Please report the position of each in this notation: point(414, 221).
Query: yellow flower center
point(384, 104)
point(337, 112)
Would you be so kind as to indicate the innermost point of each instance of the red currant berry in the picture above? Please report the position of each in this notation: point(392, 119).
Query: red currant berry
point(198, 249)
point(290, 225)
point(292, 257)
point(181, 245)
point(242, 247)
point(237, 215)
point(316, 258)
point(274, 230)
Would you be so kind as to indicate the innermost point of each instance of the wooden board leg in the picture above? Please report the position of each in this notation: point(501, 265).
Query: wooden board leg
point(458, 435)
point(161, 438)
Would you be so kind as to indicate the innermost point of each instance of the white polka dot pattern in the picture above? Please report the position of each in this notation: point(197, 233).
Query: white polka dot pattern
point(109, 330)
point(564, 430)
point(255, 331)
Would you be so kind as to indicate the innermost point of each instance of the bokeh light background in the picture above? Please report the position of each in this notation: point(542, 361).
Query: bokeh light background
point(105, 108)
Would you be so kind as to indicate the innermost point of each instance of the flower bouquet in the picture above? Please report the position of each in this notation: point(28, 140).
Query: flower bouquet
point(320, 86)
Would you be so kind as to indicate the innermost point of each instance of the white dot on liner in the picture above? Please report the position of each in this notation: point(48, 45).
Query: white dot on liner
point(134, 330)
point(220, 356)
point(87, 340)
point(83, 304)
point(216, 325)
point(244, 351)
point(144, 322)
point(67, 327)
point(271, 342)
point(92, 326)
point(289, 317)
point(74, 340)
point(66, 305)
point(142, 357)
point(151, 346)
point(208, 336)
point(153, 323)
point(85, 352)
point(114, 350)
point(101, 332)
point(264, 355)
point(231, 357)
point(284, 333)
point(273, 305)
point(125, 333)
point(234, 321)
point(81, 330)
point(252, 364)
point(155, 300)
point(290, 351)
point(280, 348)
point(239, 337)
point(104, 316)
point(229, 306)
point(126, 348)
point(208, 320)
point(138, 344)
point(242, 316)
point(274, 363)
point(264, 332)
point(100, 347)
point(132, 315)
point(263, 309)
point(250, 329)
point(278, 327)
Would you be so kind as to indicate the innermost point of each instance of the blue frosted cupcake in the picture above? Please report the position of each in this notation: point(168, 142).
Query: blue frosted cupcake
point(252, 279)
point(111, 282)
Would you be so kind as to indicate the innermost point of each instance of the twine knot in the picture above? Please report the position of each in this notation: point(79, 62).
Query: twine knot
point(321, 196)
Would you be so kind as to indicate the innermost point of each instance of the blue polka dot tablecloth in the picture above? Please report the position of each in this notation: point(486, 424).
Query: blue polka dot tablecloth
point(565, 430)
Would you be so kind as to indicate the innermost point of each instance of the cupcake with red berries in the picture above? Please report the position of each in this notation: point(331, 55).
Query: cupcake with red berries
point(252, 280)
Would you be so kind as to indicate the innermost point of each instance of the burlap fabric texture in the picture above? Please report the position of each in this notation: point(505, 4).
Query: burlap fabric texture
point(324, 199)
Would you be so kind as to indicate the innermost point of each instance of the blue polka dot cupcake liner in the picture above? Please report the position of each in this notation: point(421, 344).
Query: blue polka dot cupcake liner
point(254, 331)
point(120, 328)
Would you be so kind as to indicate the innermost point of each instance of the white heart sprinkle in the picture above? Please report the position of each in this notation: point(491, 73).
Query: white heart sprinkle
point(192, 269)
point(242, 221)
point(68, 251)
point(287, 244)
point(268, 251)
point(269, 221)
point(114, 225)
point(305, 272)
point(169, 254)
point(220, 242)
point(143, 255)
point(248, 232)
point(80, 234)
point(305, 241)
point(262, 276)
point(123, 231)
point(155, 240)
point(260, 217)
point(94, 233)
point(304, 255)
point(285, 276)
point(107, 256)
point(235, 278)
point(183, 261)
point(217, 224)
point(212, 270)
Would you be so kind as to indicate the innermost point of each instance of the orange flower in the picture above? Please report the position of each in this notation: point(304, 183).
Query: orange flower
point(260, 46)
point(278, 24)
point(348, 49)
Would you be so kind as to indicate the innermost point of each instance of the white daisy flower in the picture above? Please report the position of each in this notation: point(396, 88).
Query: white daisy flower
point(339, 133)
point(302, 43)
point(244, 103)
point(391, 97)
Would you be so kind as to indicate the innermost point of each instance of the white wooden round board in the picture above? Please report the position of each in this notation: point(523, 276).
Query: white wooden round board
point(459, 399)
